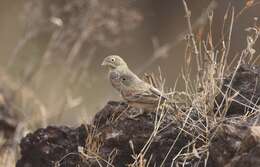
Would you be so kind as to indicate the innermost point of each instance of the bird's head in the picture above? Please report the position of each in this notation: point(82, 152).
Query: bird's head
point(114, 62)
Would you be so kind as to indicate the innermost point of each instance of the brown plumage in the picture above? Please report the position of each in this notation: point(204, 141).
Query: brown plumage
point(135, 91)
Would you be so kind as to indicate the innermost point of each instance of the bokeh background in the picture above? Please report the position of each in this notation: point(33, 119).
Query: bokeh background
point(53, 48)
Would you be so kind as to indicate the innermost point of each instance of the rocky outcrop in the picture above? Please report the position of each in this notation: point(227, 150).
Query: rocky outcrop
point(52, 146)
point(243, 86)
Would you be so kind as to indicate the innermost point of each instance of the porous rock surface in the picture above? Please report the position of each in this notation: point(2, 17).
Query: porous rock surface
point(47, 147)
point(243, 85)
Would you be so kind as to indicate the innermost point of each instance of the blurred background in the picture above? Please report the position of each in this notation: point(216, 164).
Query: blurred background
point(51, 50)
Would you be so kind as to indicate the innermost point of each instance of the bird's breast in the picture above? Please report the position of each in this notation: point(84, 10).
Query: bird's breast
point(127, 93)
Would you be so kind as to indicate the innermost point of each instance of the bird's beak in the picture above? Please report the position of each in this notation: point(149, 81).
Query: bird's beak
point(104, 63)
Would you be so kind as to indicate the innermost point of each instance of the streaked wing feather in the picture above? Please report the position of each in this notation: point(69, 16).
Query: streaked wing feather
point(158, 93)
point(149, 96)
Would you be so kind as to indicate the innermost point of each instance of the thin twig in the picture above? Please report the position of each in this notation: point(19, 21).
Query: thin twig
point(188, 16)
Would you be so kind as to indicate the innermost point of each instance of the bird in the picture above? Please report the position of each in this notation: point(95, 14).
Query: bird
point(136, 92)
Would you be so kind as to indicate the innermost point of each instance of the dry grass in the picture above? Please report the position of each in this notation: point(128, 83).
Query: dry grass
point(199, 95)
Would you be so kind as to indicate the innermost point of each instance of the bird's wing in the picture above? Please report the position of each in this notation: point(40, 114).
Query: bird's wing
point(158, 93)
point(150, 96)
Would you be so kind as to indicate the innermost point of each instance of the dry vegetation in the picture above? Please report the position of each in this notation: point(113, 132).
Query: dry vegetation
point(77, 28)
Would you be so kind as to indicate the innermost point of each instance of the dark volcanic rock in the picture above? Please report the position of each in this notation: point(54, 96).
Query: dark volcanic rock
point(133, 127)
point(111, 111)
point(45, 147)
point(123, 135)
point(226, 143)
point(236, 142)
point(247, 159)
point(122, 131)
point(236, 145)
point(138, 131)
point(245, 81)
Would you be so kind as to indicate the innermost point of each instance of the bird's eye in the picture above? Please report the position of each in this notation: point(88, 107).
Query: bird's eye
point(113, 59)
